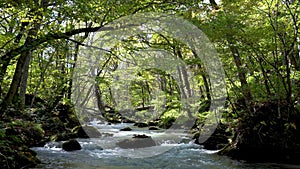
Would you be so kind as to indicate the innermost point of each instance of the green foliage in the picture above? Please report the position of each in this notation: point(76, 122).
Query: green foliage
point(257, 41)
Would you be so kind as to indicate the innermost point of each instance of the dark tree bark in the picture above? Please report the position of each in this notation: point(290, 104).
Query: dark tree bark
point(247, 96)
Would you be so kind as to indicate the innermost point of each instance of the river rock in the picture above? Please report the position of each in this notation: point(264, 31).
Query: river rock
point(167, 123)
point(53, 144)
point(71, 145)
point(86, 132)
point(141, 125)
point(107, 134)
point(217, 140)
point(126, 129)
point(153, 128)
point(153, 123)
point(138, 141)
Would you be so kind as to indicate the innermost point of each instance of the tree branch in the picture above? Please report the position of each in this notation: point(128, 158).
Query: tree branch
point(50, 36)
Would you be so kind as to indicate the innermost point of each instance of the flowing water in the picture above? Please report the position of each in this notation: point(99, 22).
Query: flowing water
point(102, 153)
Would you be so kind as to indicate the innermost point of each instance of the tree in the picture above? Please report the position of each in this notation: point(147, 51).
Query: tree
point(47, 21)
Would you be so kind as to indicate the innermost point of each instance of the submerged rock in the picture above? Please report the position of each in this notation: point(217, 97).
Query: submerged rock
point(71, 145)
point(141, 125)
point(126, 129)
point(153, 123)
point(153, 128)
point(138, 141)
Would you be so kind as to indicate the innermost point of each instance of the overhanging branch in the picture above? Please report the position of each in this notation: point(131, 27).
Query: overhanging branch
point(50, 36)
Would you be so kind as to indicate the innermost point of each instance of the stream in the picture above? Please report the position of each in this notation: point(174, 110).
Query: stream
point(170, 153)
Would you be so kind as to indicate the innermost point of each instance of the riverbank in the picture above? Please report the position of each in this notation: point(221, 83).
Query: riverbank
point(187, 154)
point(25, 128)
point(257, 142)
point(271, 133)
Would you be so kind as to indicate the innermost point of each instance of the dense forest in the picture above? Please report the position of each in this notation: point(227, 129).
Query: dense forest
point(257, 42)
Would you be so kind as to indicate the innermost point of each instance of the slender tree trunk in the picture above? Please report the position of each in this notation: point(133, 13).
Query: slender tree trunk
point(265, 76)
point(185, 75)
point(100, 103)
point(247, 96)
point(15, 82)
point(69, 90)
point(181, 84)
point(205, 80)
point(25, 68)
point(206, 85)
point(184, 82)
point(24, 79)
point(81, 39)
point(42, 76)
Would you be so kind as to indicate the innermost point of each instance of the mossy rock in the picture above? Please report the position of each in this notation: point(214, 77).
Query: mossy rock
point(153, 128)
point(138, 141)
point(15, 156)
point(86, 132)
point(167, 122)
point(217, 140)
point(153, 123)
point(62, 136)
point(27, 158)
point(141, 125)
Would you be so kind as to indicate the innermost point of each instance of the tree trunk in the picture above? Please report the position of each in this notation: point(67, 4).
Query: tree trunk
point(15, 82)
point(247, 97)
point(21, 72)
point(24, 78)
point(206, 82)
point(100, 103)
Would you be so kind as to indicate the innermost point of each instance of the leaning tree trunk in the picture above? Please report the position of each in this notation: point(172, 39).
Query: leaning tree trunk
point(21, 72)
point(5, 63)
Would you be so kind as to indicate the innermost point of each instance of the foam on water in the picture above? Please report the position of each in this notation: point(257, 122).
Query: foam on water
point(104, 153)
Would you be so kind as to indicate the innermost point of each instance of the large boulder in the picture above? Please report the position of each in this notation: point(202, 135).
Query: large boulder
point(71, 145)
point(63, 136)
point(270, 133)
point(86, 132)
point(217, 140)
point(138, 141)
point(167, 122)
point(153, 123)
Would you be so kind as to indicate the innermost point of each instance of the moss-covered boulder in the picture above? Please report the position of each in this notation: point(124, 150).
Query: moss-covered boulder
point(138, 141)
point(218, 140)
point(166, 122)
point(14, 152)
point(153, 123)
point(63, 136)
point(86, 132)
point(269, 133)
